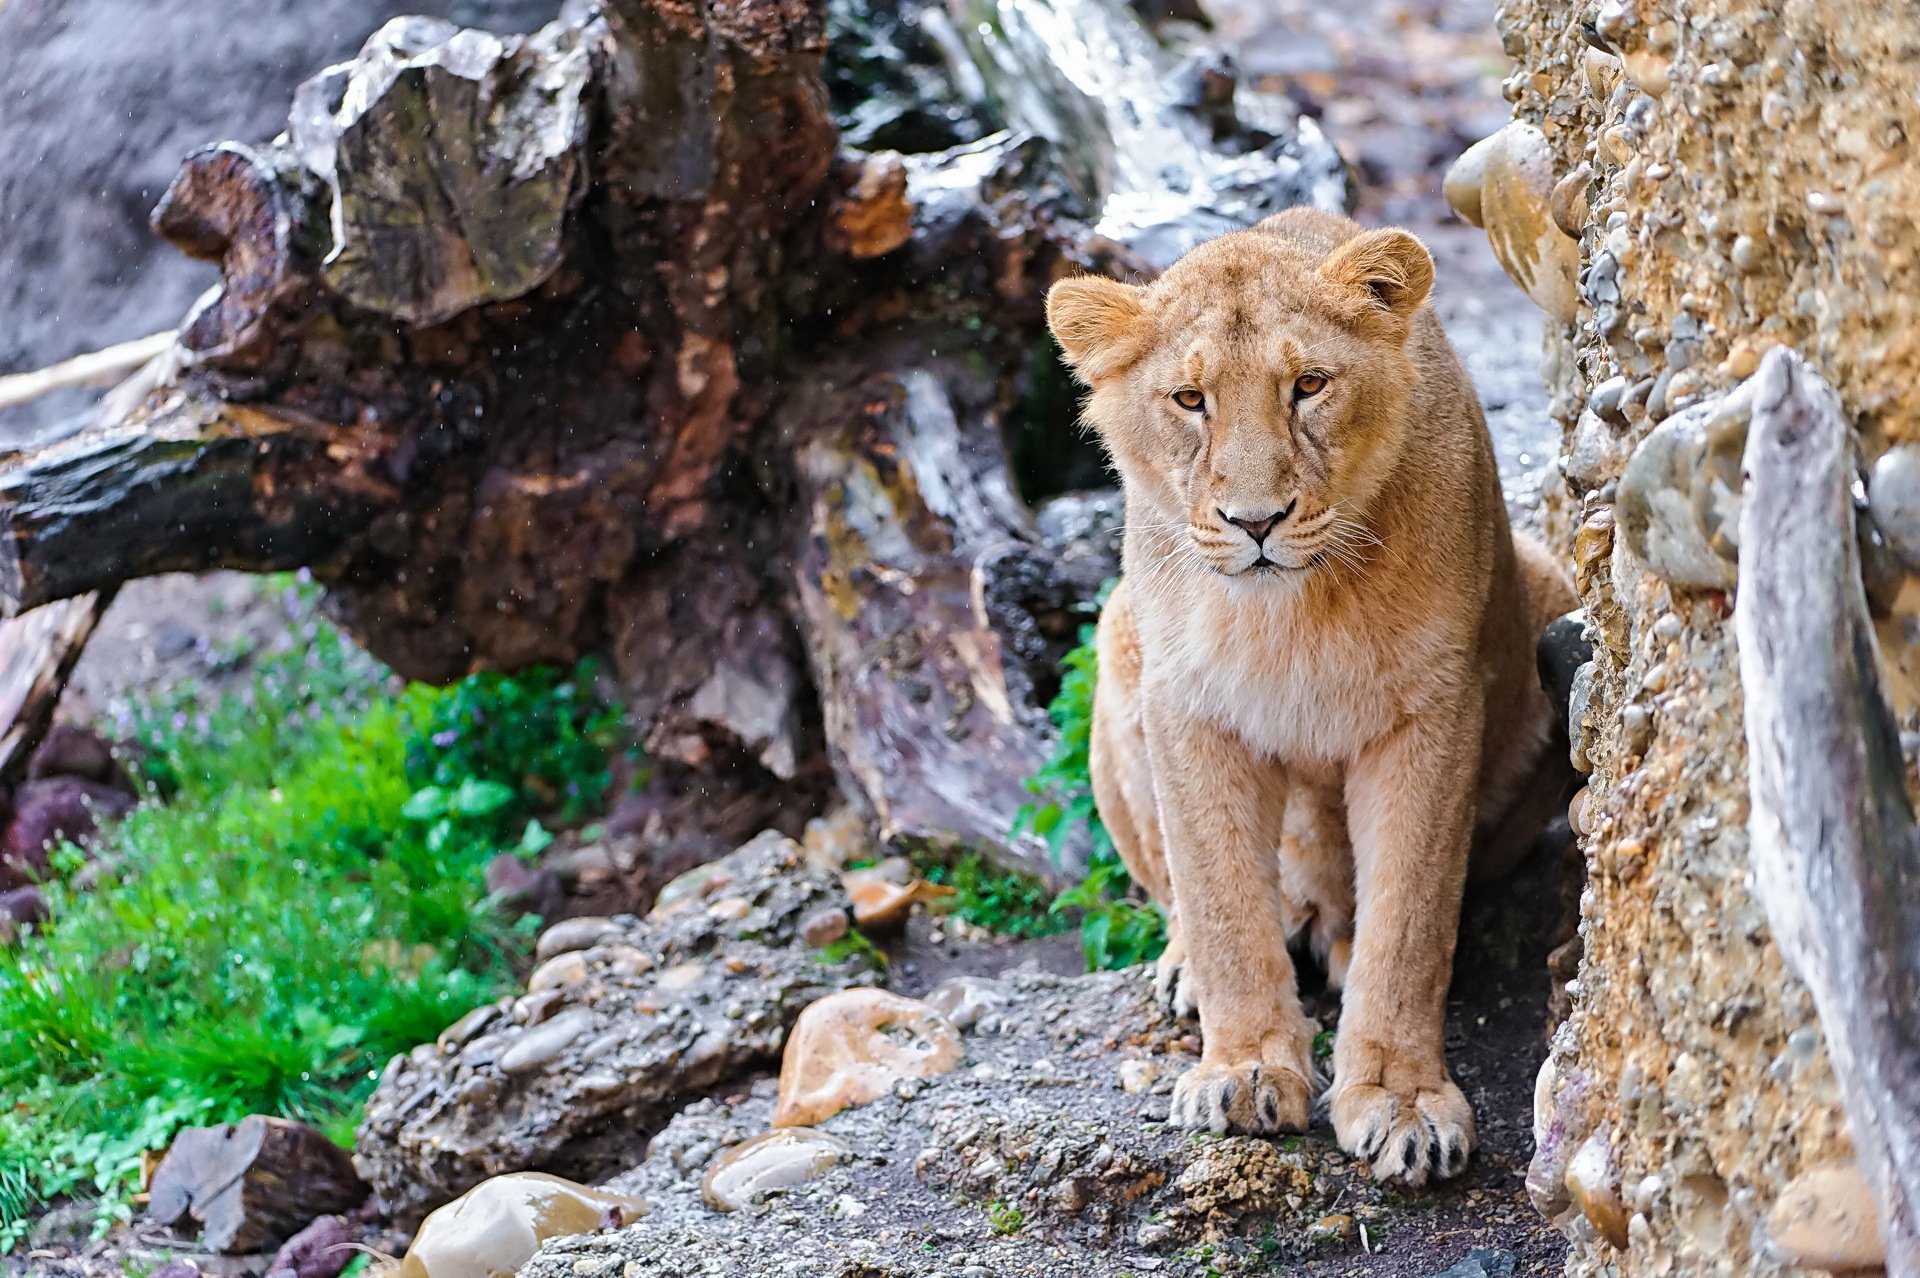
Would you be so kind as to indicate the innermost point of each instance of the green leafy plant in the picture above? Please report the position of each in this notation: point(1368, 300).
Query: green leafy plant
point(1009, 904)
point(309, 900)
point(1116, 929)
point(1005, 1217)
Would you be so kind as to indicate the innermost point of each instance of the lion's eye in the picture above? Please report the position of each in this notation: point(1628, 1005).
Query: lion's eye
point(1308, 385)
point(1190, 399)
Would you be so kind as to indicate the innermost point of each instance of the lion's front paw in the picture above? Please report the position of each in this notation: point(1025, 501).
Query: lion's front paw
point(1409, 1138)
point(1256, 1098)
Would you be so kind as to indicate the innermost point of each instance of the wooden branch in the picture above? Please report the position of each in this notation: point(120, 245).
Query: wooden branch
point(189, 483)
point(37, 654)
point(1836, 855)
point(96, 368)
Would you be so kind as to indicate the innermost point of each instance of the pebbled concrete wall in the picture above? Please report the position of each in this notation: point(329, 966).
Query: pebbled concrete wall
point(1687, 183)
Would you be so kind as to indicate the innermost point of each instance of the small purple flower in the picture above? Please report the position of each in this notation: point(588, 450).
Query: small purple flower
point(447, 738)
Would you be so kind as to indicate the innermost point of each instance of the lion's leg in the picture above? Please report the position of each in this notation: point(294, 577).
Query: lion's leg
point(1117, 753)
point(1123, 787)
point(1410, 810)
point(1223, 809)
point(1316, 872)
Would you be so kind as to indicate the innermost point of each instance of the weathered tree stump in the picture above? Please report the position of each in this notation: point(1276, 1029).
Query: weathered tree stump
point(252, 1184)
point(595, 340)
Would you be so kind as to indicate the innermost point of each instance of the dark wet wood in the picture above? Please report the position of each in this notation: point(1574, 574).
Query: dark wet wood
point(251, 1185)
point(1836, 853)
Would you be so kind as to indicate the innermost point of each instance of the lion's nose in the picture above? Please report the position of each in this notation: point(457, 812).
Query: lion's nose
point(1258, 526)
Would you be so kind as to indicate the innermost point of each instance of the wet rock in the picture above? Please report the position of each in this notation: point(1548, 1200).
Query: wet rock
point(1593, 1182)
point(1893, 496)
point(321, 1250)
point(774, 1160)
point(71, 750)
point(1679, 496)
point(836, 840)
point(1562, 1119)
point(19, 908)
point(853, 1046)
point(251, 1184)
point(824, 926)
point(885, 895)
point(1516, 198)
point(1463, 181)
point(1482, 1262)
point(561, 969)
point(47, 813)
point(965, 999)
point(568, 1076)
point(522, 888)
point(700, 881)
point(573, 934)
point(1826, 1219)
point(495, 1227)
point(1562, 649)
point(544, 1044)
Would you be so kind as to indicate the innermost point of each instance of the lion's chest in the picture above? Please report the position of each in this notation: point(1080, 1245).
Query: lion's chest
point(1292, 688)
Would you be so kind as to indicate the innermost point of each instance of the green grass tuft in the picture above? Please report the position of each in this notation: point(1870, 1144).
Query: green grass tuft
point(290, 917)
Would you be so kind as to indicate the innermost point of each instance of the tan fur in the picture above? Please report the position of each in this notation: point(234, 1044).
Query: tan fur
point(1311, 750)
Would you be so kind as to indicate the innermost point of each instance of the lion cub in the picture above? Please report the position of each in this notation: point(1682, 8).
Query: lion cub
point(1316, 688)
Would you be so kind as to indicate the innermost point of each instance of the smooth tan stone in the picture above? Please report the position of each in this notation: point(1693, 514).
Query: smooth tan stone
point(495, 1227)
point(779, 1159)
point(851, 1047)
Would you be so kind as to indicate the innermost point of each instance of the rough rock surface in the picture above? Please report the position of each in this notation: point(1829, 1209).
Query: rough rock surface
point(1733, 175)
point(657, 1011)
point(1045, 1151)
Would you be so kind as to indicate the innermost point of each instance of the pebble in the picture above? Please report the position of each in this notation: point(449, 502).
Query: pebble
point(824, 926)
point(680, 976)
point(462, 1031)
point(702, 880)
point(495, 1227)
point(965, 999)
point(1661, 502)
point(774, 1160)
point(1137, 1076)
point(1893, 498)
point(850, 1048)
point(1594, 1184)
point(562, 969)
point(544, 1043)
point(568, 935)
point(1826, 1219)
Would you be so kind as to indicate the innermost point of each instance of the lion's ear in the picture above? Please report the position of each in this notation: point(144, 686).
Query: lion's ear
point(1392, 266)
point(1093, 318)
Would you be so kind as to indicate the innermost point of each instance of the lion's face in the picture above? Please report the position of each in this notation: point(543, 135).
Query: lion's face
point(1256, 393)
